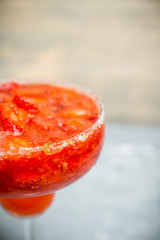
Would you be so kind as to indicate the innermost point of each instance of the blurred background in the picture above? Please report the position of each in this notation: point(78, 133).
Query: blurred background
point(112, 48)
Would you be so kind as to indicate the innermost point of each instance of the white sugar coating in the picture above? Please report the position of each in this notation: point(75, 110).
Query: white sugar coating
point(81, 138)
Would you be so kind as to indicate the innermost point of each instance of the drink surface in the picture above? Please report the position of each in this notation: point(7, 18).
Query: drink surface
point(37, 114)
point(49, 137)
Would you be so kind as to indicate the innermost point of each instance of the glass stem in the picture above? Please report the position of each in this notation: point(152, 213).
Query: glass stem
point(28, 229)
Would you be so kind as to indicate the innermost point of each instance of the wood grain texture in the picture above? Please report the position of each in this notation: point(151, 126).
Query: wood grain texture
point(111, 47)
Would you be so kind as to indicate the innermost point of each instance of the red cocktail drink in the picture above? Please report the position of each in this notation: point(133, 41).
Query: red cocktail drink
point(26, 207)
point(50, 136)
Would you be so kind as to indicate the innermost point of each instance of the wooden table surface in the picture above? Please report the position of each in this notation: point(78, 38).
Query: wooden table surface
point(111, 47)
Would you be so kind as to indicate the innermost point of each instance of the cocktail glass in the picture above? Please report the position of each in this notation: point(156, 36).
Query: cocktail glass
point(48, 168)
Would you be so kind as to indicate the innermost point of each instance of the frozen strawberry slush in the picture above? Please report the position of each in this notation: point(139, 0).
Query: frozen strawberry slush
point(49, 137)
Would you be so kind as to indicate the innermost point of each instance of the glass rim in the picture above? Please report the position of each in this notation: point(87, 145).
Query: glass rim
point(82, 136)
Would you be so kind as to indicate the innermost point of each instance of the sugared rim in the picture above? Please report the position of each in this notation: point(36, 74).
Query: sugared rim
point(82, 136)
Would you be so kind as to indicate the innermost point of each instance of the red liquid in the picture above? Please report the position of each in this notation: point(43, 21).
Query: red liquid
point(49, 137)
point(25, 207)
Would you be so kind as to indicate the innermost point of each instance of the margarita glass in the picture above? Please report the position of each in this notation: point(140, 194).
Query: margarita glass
point(50, 136)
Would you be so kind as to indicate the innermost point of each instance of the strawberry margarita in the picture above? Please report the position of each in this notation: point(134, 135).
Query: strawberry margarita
point(50, 136)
